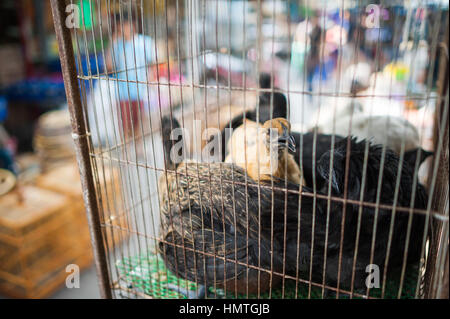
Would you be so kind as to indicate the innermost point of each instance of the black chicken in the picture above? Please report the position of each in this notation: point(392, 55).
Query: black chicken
point(306, 151)
point(369, 215)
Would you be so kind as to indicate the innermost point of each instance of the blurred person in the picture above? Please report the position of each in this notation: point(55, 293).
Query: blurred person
point(416, 58)
point(313, 56)
point(300, 47)
point(129, 55)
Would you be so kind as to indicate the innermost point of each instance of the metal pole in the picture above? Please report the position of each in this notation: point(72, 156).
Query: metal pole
point(69, 72)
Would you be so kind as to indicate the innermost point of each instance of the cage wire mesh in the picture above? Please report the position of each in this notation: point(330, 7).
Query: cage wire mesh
point(334, 217)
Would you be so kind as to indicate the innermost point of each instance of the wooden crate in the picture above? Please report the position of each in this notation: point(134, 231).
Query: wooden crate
point(65, 179)
point(39, 237)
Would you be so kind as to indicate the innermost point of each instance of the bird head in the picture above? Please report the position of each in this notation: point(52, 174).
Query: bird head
point(278, 135)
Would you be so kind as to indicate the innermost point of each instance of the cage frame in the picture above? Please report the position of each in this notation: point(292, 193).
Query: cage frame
point(81, 143)
point(86, 168)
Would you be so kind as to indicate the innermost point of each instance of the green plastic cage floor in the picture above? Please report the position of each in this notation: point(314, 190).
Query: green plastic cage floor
point(148, 274)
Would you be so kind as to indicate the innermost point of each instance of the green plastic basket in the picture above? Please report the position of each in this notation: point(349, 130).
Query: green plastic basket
point(147, 273)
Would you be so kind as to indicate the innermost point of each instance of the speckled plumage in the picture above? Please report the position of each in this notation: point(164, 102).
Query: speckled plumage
point(194, 214)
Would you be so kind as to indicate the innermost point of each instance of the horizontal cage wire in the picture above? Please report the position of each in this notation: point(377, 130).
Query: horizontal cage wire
point(261, 149)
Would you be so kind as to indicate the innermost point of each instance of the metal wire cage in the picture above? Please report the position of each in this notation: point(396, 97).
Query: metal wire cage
point(131, 67)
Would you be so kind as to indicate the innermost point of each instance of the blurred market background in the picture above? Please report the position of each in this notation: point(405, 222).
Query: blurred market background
point(43, 225)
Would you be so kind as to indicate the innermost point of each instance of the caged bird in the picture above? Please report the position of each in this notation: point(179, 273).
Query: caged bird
point(392, 131)
point(216, 223)
point(360, 184)
point(211, 228)
point(264, 150)
point(356, 118)
point(271, 105)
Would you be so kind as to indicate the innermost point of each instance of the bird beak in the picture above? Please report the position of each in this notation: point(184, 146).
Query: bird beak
point(291, 144)
point(289, 139)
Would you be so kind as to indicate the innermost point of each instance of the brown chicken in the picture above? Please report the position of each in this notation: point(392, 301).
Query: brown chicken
point(215, 221)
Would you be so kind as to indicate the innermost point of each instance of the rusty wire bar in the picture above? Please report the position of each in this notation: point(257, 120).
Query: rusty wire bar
point(69, 71)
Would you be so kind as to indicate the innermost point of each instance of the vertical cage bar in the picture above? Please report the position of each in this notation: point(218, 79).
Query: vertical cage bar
point(439, 198)
point(79, 132)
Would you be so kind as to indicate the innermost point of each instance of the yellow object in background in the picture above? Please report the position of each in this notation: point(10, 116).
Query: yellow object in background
point(398, 69)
